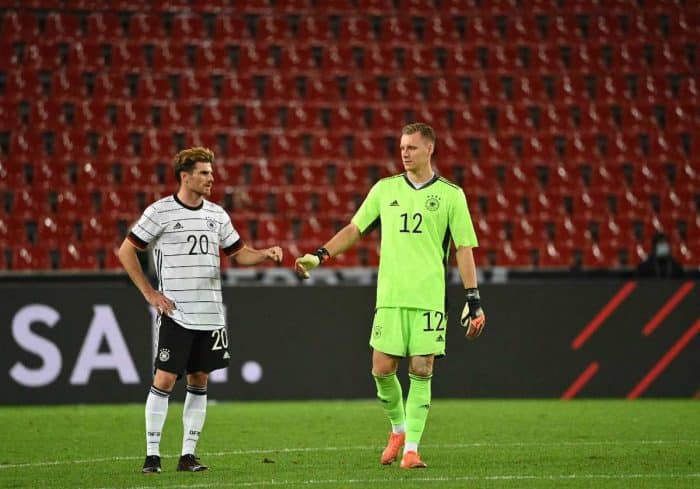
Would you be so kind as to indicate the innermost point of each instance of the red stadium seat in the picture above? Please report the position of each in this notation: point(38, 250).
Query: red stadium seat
point(277, 90)
point(436, 117)
point(528, 230)
point(237, 89)
point(355, 30)
point(396, 30)
point(322, 90)
point(303, 117)
point(337, 60)
point(315, 29)
point(230, 29)
point(555, 256)
point(260, 117)
point(347, 119)
point(171, 57)
point(380, 59)
point(513, 256)
point(297, 59)
point(285, 147)
point(103, 26)
point(571, 89)
point(109, 86)
point(62, 26)
point(446, 91)
point(362, 91)
point(440, 31)
point(30, 258)
point(218, 117)
point(420, 60)
point(244, 145)
point(513, 119)
point(190, 27)
point(146, 27)
point(388, 119)
point(271, 28)
point(462, 60)
point(488, 90)
point(599, 257)
point(529, 89)
point(20, 26)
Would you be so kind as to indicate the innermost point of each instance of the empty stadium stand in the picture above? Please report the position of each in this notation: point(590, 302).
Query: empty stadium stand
point(572, 125)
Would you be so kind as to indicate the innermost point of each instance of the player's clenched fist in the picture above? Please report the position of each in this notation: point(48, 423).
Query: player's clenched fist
point(275, 254)
point(303, 265)
point(473, 317)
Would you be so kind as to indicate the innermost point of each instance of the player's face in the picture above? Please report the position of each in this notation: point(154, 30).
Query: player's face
point(415, 152)
point(200, 180)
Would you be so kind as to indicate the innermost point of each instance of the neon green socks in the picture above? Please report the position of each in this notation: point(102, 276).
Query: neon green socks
point(390, 395)
point(417, 407)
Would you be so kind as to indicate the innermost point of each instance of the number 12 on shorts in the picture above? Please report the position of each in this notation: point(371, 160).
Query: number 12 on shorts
point(434, 318)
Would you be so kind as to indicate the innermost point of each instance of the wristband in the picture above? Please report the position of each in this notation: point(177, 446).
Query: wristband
point(322, 255)
point(473, 298)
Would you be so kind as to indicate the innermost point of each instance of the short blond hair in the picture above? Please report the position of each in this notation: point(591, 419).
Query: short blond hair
point(424, 129)
point(186, 159)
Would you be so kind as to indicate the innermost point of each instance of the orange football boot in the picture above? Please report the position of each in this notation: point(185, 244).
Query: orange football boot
point(411, 460)
point(396, 441)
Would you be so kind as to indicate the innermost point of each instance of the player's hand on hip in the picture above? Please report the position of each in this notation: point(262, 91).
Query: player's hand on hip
point(161, 303)
point(275, 254)
point(473, 318)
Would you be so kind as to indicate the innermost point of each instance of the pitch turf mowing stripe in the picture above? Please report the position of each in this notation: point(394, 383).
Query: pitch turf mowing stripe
point(361, 448)
point(515, 477)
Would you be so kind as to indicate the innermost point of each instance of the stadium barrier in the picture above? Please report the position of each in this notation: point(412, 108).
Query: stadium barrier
point(69, 341)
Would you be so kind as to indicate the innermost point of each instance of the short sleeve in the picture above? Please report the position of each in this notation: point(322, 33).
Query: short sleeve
point(460, 222)
point(146, 229)
point(367, 215)
point(229, 238)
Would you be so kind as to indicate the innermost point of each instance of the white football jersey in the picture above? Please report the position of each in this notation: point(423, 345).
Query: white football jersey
point(185, 242)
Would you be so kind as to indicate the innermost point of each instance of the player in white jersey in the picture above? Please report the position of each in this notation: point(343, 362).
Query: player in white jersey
point(185, 232)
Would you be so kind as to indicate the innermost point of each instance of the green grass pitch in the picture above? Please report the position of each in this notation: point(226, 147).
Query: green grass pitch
point(336, 444)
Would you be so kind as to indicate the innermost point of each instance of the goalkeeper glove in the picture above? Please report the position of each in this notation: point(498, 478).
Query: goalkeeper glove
point(473, 317)
point(309, 261)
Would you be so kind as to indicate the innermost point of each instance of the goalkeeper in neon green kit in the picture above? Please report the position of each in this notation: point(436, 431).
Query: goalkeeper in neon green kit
point(420, 213)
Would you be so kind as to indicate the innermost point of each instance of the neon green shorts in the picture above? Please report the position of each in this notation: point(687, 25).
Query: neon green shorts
point(405, 332)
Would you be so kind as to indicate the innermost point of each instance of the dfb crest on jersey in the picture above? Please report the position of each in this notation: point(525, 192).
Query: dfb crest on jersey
point(164, 355)
point(211, 224)
point(432, 203)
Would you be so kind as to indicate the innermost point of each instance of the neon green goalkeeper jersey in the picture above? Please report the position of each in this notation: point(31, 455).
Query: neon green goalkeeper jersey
point(416, 226)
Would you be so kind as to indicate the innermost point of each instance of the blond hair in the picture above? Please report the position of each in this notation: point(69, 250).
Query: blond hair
point(424, 129)
point(186, 159)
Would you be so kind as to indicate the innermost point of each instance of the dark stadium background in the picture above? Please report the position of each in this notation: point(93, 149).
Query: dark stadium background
point(571, 125)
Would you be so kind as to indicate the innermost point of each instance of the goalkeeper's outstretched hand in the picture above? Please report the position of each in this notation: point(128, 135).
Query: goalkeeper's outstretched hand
point(303, 265)
point(473, 317)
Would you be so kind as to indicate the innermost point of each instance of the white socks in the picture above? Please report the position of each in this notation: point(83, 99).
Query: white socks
point(156, 411)
point(193, 416)
point(410, 446)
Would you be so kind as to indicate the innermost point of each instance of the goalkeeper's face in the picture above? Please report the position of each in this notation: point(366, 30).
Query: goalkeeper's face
point(415, 152)
point(201, 180)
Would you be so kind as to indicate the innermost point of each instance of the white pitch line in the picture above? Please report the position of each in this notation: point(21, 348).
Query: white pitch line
point(361, 448)
point(515, 477)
